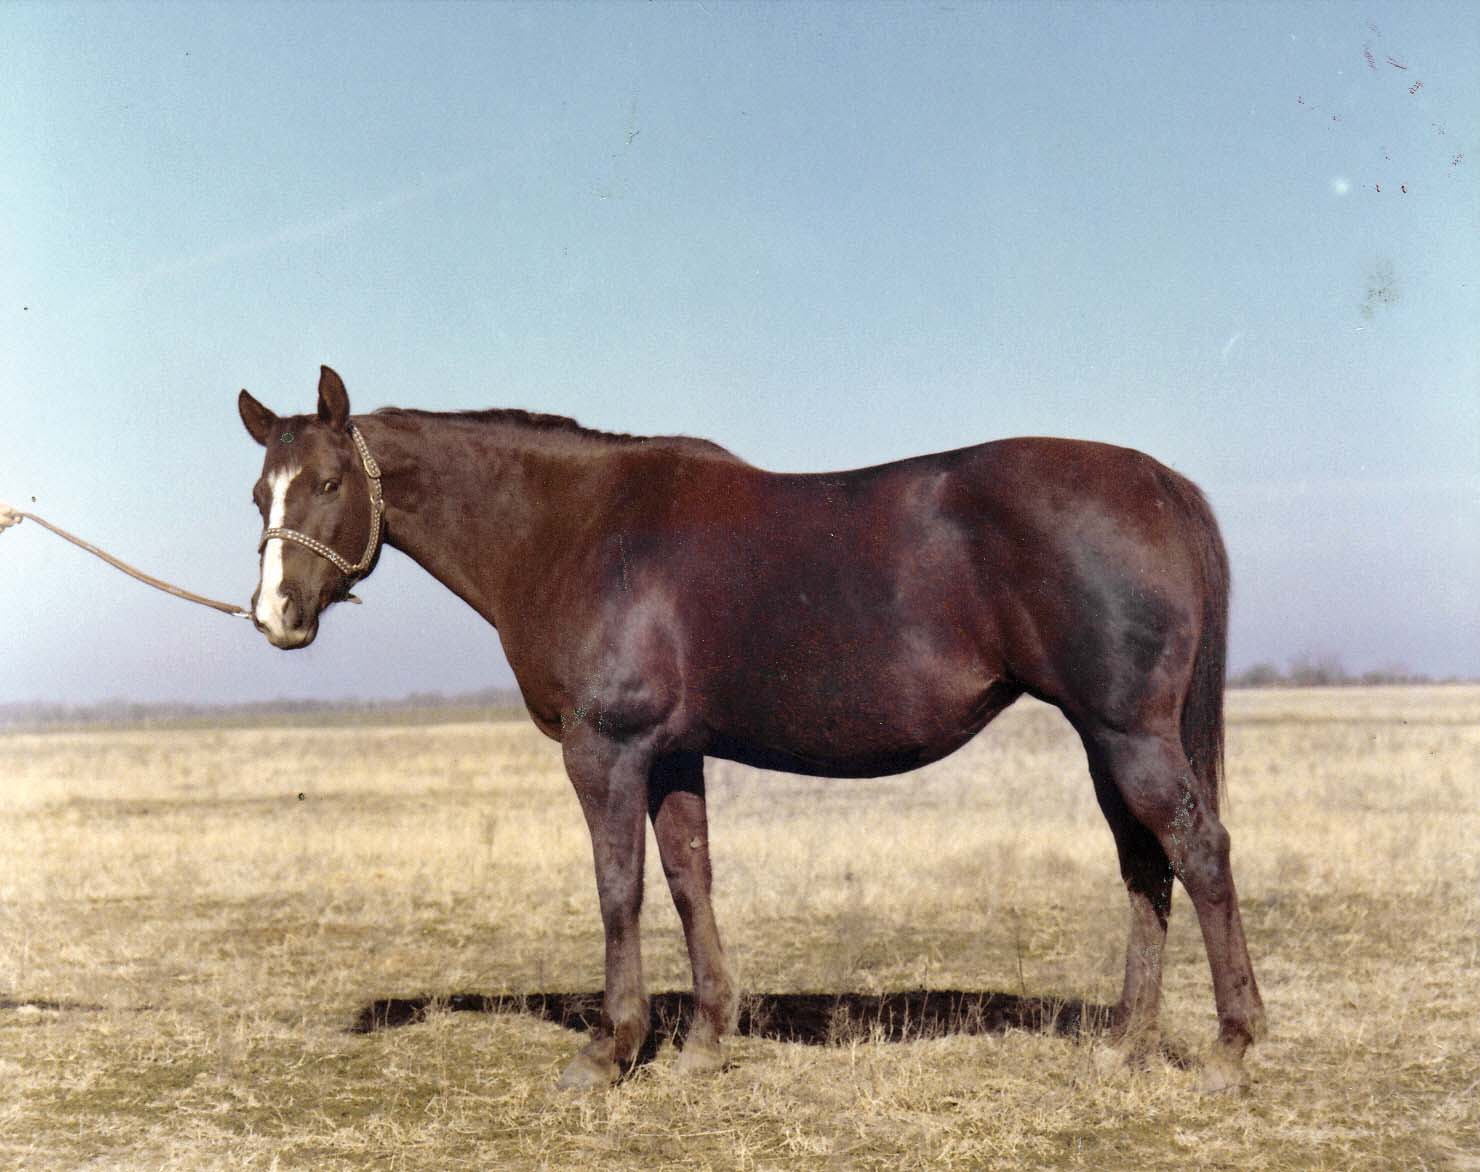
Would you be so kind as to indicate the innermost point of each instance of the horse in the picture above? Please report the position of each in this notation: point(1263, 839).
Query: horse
point(661, 600)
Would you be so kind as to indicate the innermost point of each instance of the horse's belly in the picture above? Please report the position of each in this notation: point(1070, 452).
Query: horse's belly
point(856, 672)
point(846, 734)
point(823, 761)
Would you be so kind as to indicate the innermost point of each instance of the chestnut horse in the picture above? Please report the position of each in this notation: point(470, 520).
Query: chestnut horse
point(661, 601)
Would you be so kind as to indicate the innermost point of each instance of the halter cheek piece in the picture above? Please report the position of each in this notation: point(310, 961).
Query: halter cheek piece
point(377, 510)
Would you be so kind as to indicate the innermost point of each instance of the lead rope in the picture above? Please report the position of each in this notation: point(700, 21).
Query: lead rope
point(11, 516)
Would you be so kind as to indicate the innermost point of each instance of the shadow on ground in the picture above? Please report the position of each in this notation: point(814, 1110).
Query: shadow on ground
point(813, 1019)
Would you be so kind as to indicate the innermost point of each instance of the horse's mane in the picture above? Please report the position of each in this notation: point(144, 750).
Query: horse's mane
point(555, 426)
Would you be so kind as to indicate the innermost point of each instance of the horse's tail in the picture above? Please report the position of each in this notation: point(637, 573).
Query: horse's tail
point(1202, 707)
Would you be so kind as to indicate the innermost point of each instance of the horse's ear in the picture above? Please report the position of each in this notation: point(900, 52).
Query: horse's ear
point(333, 399)
point(260, 422)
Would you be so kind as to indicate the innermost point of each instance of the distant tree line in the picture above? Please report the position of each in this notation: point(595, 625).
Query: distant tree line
point(416, 708)
point(1324, 671)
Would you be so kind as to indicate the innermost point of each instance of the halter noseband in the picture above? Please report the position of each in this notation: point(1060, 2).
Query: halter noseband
point(377, 510)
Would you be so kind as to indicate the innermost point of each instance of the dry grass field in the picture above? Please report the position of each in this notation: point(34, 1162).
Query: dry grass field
point(193, 923)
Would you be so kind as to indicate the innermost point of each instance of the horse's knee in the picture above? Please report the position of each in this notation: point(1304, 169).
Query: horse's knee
point(620, 892)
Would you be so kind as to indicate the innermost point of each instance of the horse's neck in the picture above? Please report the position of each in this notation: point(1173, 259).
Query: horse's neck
point(461, 503)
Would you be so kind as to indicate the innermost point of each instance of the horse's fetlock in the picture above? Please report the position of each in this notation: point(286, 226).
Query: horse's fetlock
point(628, 1037)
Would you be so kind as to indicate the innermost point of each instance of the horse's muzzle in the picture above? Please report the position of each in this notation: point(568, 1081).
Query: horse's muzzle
point(287, 630)
point(288, 638)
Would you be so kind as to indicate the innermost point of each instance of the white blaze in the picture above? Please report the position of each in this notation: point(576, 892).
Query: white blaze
point(269, 591)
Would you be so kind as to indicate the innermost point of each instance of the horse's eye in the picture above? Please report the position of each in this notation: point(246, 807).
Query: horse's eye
point(329, 486)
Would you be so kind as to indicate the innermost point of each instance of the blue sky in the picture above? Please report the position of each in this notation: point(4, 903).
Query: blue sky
point(823, 235)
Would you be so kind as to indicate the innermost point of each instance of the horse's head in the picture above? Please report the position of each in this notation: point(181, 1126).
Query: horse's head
point(319, 495)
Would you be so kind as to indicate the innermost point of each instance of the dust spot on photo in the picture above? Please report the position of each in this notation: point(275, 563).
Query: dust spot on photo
point(1382, 288)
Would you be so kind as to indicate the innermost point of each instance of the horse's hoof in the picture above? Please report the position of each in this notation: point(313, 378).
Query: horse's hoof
point(699, 1058)
point(1131, 1047)
point(1142, 1050)
point(1222, 1075)
point(586, 1073)
point(1107, 1062)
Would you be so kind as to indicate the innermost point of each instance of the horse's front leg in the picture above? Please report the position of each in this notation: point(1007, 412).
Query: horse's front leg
point(611, 780)
point(676, 803)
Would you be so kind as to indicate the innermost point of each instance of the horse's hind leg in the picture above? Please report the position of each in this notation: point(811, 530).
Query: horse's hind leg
point(1153, 778)
point(680, 823)
point(1148, 881)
